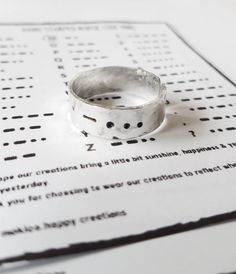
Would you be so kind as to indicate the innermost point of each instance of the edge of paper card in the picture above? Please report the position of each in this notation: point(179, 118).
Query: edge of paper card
point(124, 240)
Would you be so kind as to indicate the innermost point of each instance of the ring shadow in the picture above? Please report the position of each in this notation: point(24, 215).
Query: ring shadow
point(175, 123)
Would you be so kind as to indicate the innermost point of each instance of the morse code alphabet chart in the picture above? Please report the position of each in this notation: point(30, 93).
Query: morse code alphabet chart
point(45, 163)
point(63, 51)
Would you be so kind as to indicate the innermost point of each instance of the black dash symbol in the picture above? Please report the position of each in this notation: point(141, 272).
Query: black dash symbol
point(6, 88)
point(34, 127)
point(199, 88)
point(185, 100)
point(116, 97)
point(132, 142)
point(221, 95)
point(90, 118)
point(197, 98)
point(116, 143)
point(211, 87)
point(33, 115)
point(29, 155)
point(20, 87)
point(221, 106)
point(17, 117)
point(10, 158)
point(20, 142)
point(217, 118)
point(204, 119)
point(192, 80)
point(230, 128)
point(8, 129)
point(209, 97)
point(232, 94)
point(201, 108)
point(170, 83)
point(48, 114)
point(189, 89)
point(177, 90)
point(20, 78)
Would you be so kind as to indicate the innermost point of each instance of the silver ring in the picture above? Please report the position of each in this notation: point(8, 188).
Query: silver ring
point(117, 102)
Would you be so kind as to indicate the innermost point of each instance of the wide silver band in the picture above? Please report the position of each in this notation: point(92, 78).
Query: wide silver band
point(117, 102)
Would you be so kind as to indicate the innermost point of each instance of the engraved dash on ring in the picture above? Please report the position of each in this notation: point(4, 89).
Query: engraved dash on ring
point(90, 118)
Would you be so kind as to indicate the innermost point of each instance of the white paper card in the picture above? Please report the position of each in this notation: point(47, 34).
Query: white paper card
point(59, 187)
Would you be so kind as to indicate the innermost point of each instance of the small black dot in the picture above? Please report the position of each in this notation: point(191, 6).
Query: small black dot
point(126, 125)
point(110, 125)
point(152, 139)
point(99, 99)
point(33, 140)
point(43, 139)
point(140, 124)
point(5, 144)
point(106, 98)
point(22, 128)
point(4, 118)
point(144, 140)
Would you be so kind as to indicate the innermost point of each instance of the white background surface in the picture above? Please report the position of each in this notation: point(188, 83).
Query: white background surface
point(210, 27)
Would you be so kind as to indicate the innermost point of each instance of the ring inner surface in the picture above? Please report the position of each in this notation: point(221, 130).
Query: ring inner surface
point(117, 86)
